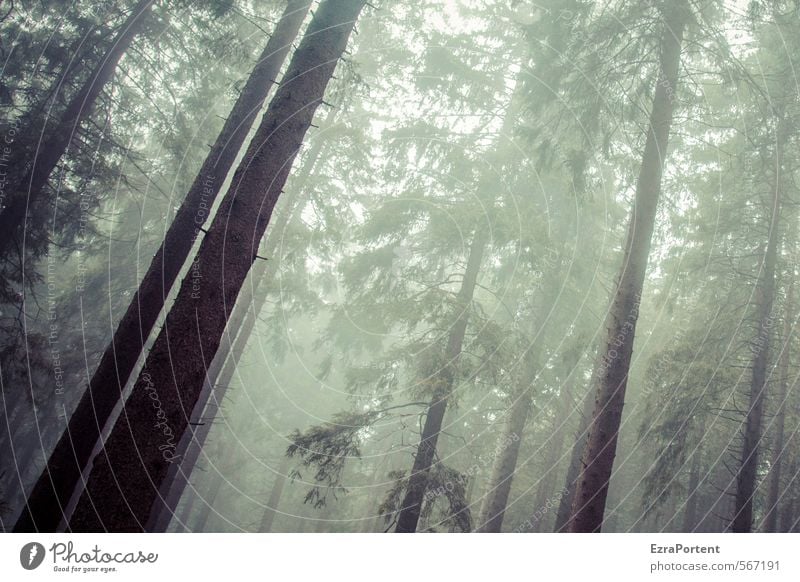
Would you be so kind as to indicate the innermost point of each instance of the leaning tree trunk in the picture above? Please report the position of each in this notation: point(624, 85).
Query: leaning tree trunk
point(746, 476)
point(408, 518)
point(598, 458)
point(29, 189)
point(57, 482)
point(773, 498)
point(220, 373)
point(130, 470)
point(493, 509)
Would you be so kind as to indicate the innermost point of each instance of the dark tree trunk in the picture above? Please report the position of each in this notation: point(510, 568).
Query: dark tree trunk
point(27, 192)
point(746, 477)
point(408, 518)
point(275, 496)
point(493, 508)
point(221, 372)
point(598, 458)
point(771, 519)
point(131, 468)
point(56, 484)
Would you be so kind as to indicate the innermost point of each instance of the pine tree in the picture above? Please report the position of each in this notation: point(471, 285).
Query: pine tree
point(224, 258)
point(52, 491)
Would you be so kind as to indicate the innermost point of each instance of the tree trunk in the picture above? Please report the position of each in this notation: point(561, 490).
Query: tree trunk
point(408, 518)
point(56, 484)
point(493, 508)
point(771, 519)
point(275, 496)
point(131, 468)
point(746, 477)
point(220, 374)
point(690, 513)
point(555, 447)
point(28, 191)
point(598, 458)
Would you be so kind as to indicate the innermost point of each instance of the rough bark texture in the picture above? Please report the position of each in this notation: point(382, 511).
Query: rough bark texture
point(52, 149)
point(774, 497)
point(57, 482)
point(131, 468)
point(408, 517)
point(598, 458)
point(746, 476)
point(237, 333)
point(493, 508)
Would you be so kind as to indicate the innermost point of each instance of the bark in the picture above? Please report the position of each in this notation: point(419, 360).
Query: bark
point(773, 498)
point(54, 146)
point(275, 496)
point(408, 518)
point(56, 484)
point(746, 476)
point(131, 468)
point(598, 458)
point(494, 505)
point(220, 374)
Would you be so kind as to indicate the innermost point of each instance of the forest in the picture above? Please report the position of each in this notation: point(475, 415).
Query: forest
point(426, 266)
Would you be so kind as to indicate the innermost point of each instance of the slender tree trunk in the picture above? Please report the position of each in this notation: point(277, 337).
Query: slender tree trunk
point(52, 149)
point(408, 517)
point(131, 468)
point(771, 519)
point(789, 494)
point(598, 458)
point(746, 477)
point(690, 513)
point(494, 506)
point(56, 484)
point(555, 447)
point(275, 496)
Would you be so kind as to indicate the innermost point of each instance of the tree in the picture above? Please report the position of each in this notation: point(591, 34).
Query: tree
point(598, 458)
point(746, 474)
point(443, 381)
point(28, 190)
point(779, 444)
point(51, 493)
point(224, 258)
